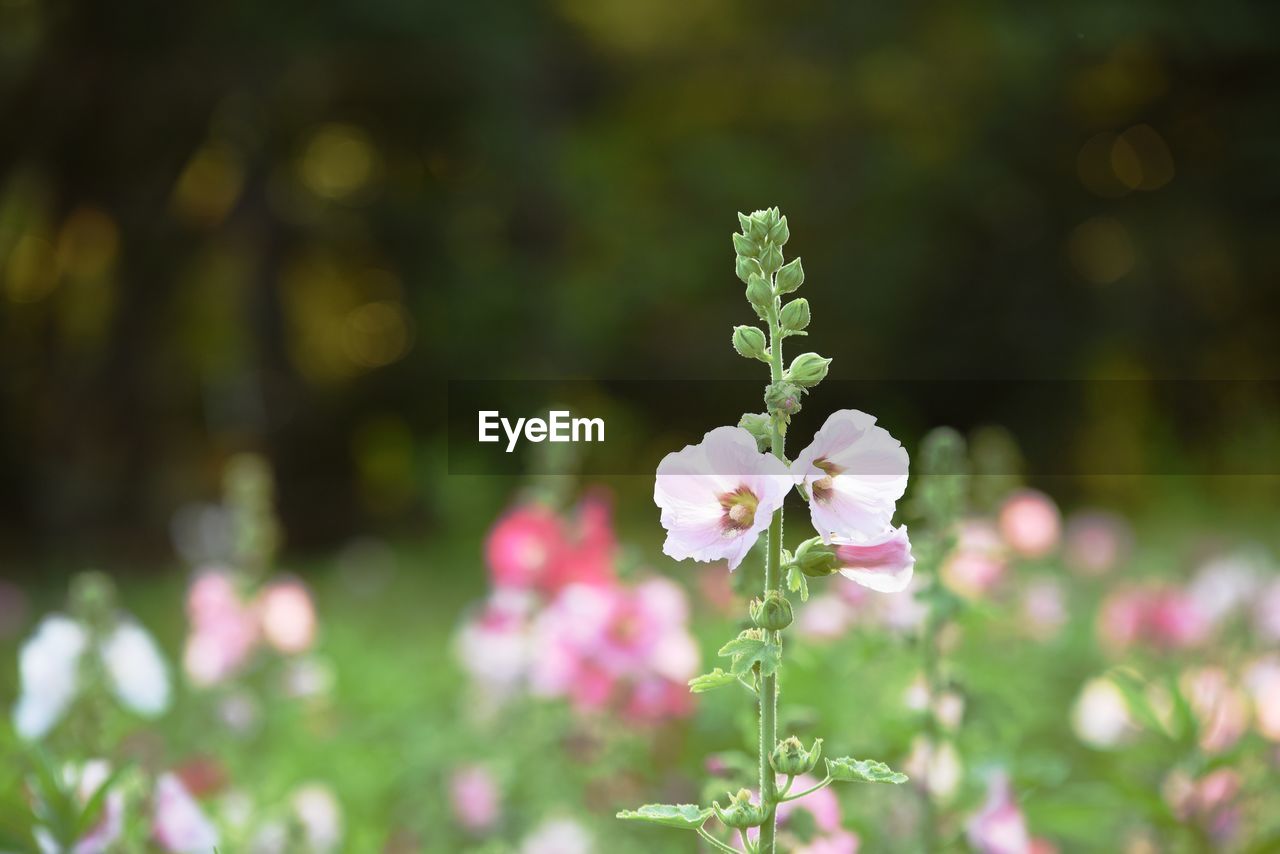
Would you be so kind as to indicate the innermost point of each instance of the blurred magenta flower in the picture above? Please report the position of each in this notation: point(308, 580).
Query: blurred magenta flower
point(287, 616)
point(1207, 801)
point(558, 836)
point(475, 798)
point(1163, 617)
point(1030, 523)
point(103, 836)
point(883, 563)
point(718, 496)
point(1096, 542)
point(854, 472)
point(522, 545)
point(978, 562)
point(49, 665)
point(999, 827)
point(178, 823)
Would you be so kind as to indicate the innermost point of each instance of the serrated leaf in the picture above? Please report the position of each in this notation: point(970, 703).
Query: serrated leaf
point(717, 678)
point(797, 583)
point(749, 649)
point(849, 770)
point(683, 816)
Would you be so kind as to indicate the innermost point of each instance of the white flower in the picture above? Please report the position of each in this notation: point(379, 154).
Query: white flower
point(179, 825)
point(558, 836)
point(49, 666)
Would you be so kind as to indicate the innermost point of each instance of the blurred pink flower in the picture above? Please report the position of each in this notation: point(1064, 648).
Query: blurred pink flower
point(823, 617)
point(588, 555)
point(1262, 680)
point(287, 615)
point(1044, 609)
point(522, 545)
point(224, 629)
point(999, 827)
point(1220, 707)
point(493, 646)
point(1096, 542)
point(178, 823)
point(602, 645)
point(822, 806)
point(1030, 523)
point(1163, 617)
point(978, 562)
point(882, 563)
point(854, 472)
point(718, 496)
point(1208, 801)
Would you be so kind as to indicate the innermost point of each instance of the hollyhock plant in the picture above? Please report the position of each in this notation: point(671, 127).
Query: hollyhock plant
point(717, 497)
point(475, 798)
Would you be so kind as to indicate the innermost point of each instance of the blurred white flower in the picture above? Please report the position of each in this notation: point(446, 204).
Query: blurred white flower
point(558, 836)
point(178, 823)
point(935, 767)
point(288, 616)
point(320, 816)
point(1225, 584)
point(49, 667)
point(1100, 717)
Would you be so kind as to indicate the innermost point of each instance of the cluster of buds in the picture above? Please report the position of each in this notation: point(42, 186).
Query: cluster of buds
point(790, 756)
point(760, 266)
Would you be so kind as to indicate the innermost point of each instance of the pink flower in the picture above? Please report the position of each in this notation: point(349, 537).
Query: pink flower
point(1262, 679)
point(522, 546)
point(1208, 802)
point(882, 563)
point(493, 646)
point(1044, 609)
point(588, 554)
point(1165, 618)
point(1096, 542)
point(475, 798)
point(224, 630)
point(288, 616)
point(1219, 706)
point(178, 823)
point(978, 562)
point(999, 827)
point(718, 496)
point(854, 472)
point(824, 617)
point(1030, 523)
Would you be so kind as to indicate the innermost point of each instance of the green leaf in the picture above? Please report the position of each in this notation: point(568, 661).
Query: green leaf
point(683, 816)
point(93, 807)
point(753, 648)
point(849, 770)
point(798, 583)
point(710, 681)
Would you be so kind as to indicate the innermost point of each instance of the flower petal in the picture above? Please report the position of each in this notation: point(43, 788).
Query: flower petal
point(884, 564)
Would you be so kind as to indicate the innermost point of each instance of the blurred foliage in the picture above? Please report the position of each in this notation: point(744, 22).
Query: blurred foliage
point(282, 227)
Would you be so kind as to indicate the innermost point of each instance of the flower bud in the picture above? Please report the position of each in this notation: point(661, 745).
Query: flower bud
point(795, 315)
point(740, 813)
point(749, 342)
point(771, 259)
point(780, 233)
point(790, 277)
point(815, 559)
point(773, 612)
point(759, 294)
point(783, 397)
point(744, 246)
point(790, 757)
point(807, 370)
point(760, 426)
point(747, 267)
point(758, 230)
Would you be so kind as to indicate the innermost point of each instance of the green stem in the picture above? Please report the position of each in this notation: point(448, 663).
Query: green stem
point(772, 581)
point(715, 843)
point(826, 782)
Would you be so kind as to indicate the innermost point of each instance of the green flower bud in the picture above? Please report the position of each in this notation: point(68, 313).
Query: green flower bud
point(748, 267)
point(790, 757)
point(759, 294)
point(760, 426)
point(740, 813)
point(758, 230)
point(744, 222)
point(749, 342)
point(780, 233)
point(795, 315)
point(808, 369)
point(771, 259)
point(773, 612)
point(783, 397)
point(790, 277)
point(93, 600)
point(815, 559)
point(744, 246)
